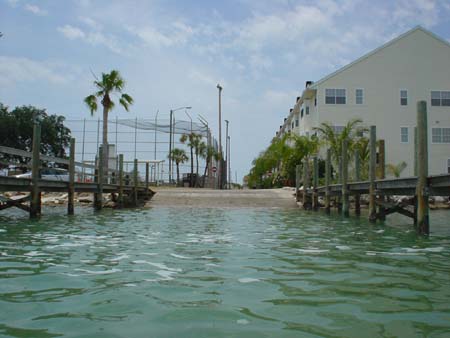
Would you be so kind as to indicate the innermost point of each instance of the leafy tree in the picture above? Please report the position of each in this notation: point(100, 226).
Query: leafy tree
point(110, 83)
point(179, 156)
point(16, 131)
point(278, 162)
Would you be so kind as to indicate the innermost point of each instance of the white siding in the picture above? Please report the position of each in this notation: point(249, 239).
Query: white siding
point(417, 62)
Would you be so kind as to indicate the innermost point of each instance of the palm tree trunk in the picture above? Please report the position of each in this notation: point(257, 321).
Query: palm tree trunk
point(204, 174)
point(178, 174)
point(105, 142)
point(196, 172)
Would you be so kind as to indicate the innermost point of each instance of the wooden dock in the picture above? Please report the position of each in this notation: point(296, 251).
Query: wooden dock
point(419, 188)
point(127, 188)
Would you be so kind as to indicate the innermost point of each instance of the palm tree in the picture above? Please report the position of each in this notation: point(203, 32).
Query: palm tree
point(396, 170)
point(110, 83)
point(179, 156)
point(333, 139)
point(208, 153)
point(362, 148)
point(193, 141)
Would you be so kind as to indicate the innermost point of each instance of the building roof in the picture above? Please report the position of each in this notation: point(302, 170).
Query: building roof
point(387, 44)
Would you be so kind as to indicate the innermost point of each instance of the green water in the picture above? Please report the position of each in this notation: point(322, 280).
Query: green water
point(221, 273)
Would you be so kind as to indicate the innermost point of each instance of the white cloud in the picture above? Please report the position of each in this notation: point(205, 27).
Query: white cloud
point(21, 69)
point(71, 32)
point(90, 23)
point(94, 38)
point(177, 34)
point(35, 10)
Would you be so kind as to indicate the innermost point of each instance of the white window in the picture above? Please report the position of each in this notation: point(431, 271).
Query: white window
point(296, 122)
point(359, 94)
point(292, 125)
point(335, 96)
point(404, 137)
point(440, 98)
point(307, 110)
point(403, 97)
point(338, 129)
point(440, 135)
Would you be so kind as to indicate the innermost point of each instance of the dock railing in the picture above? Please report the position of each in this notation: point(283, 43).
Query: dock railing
point(82, 177)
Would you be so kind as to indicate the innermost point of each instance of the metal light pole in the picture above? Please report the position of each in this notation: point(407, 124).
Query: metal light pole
point(220, 136)
point(226, 155)
point(171, 132)
point(229, 162)
point(191, 181)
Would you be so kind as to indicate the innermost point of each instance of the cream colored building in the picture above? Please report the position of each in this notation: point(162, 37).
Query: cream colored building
point(382, 88)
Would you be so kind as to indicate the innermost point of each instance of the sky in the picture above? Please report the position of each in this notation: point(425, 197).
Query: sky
point(173, 53)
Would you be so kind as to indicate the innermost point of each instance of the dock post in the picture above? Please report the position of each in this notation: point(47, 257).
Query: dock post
point(382, 173)
point(315, 201)
point(345, 199)
point(147, 178)
point(357, 179)
point(297, 182)
point(98, 199)
point(422, 169)
point(35, 202)
point(327, 181)
point(305, 183)
point(415, 151)
point(339, 198)
point(135, 181)
point(120, 181)
point(372, 167)
point(71, 187)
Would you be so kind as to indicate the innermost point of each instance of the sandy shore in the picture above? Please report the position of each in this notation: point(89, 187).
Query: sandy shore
point(186, 197)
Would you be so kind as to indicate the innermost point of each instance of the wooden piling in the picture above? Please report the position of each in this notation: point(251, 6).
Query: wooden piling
point(415, 151)
point(136, 182)
point(71, 187)
point(339, 198)
point(297, 182)
point(306, 183)
point(35, 202)
point(345, 199)
point(120, 200)
point(357, 179)
point(98, 198)
point(423, 225)
point(315, 200)
point(382, 175)
point(372, 173)
point(327, 181)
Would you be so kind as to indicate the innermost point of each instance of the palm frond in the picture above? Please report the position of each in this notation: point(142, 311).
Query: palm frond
point(91, 102)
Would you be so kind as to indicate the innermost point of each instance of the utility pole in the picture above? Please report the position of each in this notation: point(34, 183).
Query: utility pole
point(170, 147)
point(226, 156)
point(220, 136)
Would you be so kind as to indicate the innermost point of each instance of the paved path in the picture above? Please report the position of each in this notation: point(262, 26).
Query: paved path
point(187, 197)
